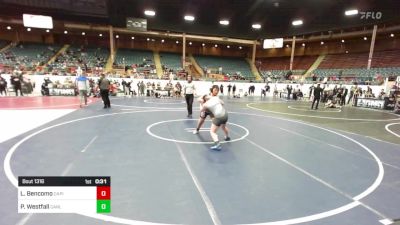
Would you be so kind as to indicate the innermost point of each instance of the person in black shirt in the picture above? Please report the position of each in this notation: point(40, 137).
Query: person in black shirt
point(343, 100)
point(317, 95)
point(3, 86)
point(17, 82)
point(289, 91)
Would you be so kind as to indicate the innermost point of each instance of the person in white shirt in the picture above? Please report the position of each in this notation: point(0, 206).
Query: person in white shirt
point(189, 90)
point(219, 116)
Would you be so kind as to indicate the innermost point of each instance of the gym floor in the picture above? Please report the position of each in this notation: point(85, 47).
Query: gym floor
point(285, 164)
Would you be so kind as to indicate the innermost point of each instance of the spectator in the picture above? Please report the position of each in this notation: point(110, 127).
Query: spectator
point(3, 86)
point(82, 83)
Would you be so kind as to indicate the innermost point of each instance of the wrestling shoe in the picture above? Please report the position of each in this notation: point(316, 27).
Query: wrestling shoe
point(216, 147)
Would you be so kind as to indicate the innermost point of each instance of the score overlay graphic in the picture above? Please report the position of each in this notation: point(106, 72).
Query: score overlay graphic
point(64, 194)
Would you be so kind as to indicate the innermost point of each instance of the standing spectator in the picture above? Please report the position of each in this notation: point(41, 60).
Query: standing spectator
point(189, 91)
point(314, 77)
point(82, 83)
point(317, 96)
point(234, 89)
point(3, 86)
point(124, 87)
point(344, 95)
point(16, 81)
point(221, 88)
point(128, 86)
point(310, 91)
point(275, 91)
point(289, 91)
point(104, 85)
point(352, 90)
point(142, 87)
point(229, 89)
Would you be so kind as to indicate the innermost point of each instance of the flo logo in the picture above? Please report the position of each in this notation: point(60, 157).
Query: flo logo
point(371, 15)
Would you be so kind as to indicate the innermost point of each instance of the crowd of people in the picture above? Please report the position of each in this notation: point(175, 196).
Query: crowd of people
point(17, 83)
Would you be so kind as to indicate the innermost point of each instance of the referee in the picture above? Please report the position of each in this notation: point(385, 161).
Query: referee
point(189, 91)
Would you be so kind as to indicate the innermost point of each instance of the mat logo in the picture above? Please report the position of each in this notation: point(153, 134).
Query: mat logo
point(371, 15)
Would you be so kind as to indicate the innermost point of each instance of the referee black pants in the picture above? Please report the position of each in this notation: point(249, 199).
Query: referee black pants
point(315, 100)
point(104, 96)
point(189, 103)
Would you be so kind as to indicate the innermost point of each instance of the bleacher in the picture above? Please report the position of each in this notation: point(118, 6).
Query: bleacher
point(76, 56)
point(129, 57)
point(3, 44)
point(283, 63)
point(344, 61)
point(171, 61)
point(28, 55)
point(279, 66)
point(386, 59)
point(358, 72)
point(230, 66)
point(384, 63)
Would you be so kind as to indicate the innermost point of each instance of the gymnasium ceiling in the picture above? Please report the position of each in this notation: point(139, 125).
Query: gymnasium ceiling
point(275, 16)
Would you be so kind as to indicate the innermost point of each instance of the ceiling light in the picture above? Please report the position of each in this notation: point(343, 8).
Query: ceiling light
point(365, 38)
point(117, 36)
point(351, 12)
point(8, 28)
point(162, 41)
point(304, 44)
point(216, 46)
point(203, 44)
point(149, 13)
point(153, 39)
point(224, 22)
point(347, 52)
point(148, 39)
point(100, 35)
point(228, 46)
point(190, 43)
point(65, 32)
point(189, 18)
point(287, 46)
point(240, 47)
point(28, 29)
point(47, 30)
point(177, 42)
point(297, 22)
point(133, 38)
point(322, 43)
point(256, 26)
point(342, 40)
point(83, 33)
point(391, 35)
